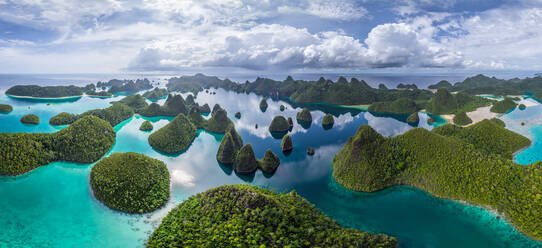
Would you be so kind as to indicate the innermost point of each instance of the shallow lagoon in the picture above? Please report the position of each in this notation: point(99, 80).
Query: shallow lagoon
point(53, 205)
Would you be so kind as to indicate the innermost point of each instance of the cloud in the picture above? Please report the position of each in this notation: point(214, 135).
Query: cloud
point(273, 46)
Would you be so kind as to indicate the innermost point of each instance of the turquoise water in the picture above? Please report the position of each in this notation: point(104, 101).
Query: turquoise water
point(53, 205)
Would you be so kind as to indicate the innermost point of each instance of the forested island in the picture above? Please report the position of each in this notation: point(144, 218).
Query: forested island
point(45, 91)
point(116, 85)
point(84, 141)
point(248, 216)
point(130, 182)
point(115, 114)
point(471, 164)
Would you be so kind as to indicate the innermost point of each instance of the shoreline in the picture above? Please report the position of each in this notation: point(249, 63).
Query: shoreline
point(476, 116)
point(45, 98)
point(363, 107)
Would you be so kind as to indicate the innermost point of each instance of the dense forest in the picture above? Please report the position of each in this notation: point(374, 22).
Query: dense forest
point(156, 93)
point(444, 102)
point(130, 182)
point(472, 164)
point(248, 216)
point(115, 114)
point(125, 85)
point(44, 91)
point(176, 136)
point(84, 141)
point(6, 108)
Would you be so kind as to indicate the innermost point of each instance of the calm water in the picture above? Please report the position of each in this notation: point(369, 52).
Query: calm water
point(53, 205)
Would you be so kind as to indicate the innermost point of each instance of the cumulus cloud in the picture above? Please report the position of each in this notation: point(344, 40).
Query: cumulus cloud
point(267, 46)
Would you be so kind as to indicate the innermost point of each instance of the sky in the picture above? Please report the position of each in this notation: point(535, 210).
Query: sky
point(109, 36)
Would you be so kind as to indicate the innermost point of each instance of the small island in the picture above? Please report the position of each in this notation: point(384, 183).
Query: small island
point(504, 106)
point(304, 116)
point(522, 106)
point(174, 137)
point(30, 119)
point(310, 151)
point(5, 108)
point(462, 119)
point(146, 126)
point(294, 222)
point(286, 144)
point(269, 163)
point(84, 141)
point(245, 161)
point(328, 121)
point(229, 146)
point(45, 91)
point(263, 105)
point(156, 93)
point(414, 118)
point(279, 124)
point(130, 182)
point(115, 114)
point(238, 115)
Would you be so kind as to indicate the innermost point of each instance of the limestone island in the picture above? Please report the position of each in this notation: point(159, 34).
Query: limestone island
point(30, 119)
point(279, 124)
point(174, 137)
point(328, 121)
point(286, 144)
point(304, 115)
point(472, 164)
point(115, 114)
point(5, 108)
point(84, 141)
point(263, 105)
point(146, 126)
point(414, 118)
point(274, 220)
point(130, 182)
point(156, 93)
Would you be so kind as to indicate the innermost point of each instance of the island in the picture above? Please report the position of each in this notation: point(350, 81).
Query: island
point(399, 106)
point(504, 106)
point(279, 124)
point(218, 123)
point(174, 137)
point(310, 151)
point(118, 86)
point(414, 118)
point(146, 126)
point(101, 94)
point(462, 119)
point(135, 101)
point(286, 144)
point(232, 152)
point(130, 182)
point(472, 164)
point(328, 121)
point(265, 218)
point(173, 106)
point(45, 91)
point(84, 141)
point(156, 93)
point(5, 108)
point(115, 114)
point(30, 119)
point(443, 102)
point(263, 105)
point(441, 84)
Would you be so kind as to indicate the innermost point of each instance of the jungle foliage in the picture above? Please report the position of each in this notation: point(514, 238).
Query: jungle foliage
point(30, 119)
point(130, 182)
point(248, 216)
point(176, 136)
point(115, 114)
point(84, 141)
point(503, 106)
point(471, 164)
point(45, 91)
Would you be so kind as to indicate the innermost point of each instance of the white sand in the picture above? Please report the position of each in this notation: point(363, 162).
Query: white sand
point(477, 115)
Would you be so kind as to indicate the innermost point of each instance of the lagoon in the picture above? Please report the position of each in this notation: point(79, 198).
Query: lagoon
point(54, 206)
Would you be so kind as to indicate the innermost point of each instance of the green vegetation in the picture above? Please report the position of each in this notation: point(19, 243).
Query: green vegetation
point(471, 164)
point(245, 161)
point(45, 91)
point(279, 124)
point(522, 107)
point(146, 126)
point(328, 120)
point(130, 182)
point(248, 216)
point(286, 144)
point(462, 119)
point(263, 105)
point(270, 162)
point(30, 119)
point(446, 103)
point(176, 136)
point(99, 94)
point(126, 85)
point(218, 123)
point(310, 151)
point(282, 108)
point(115, 114)
point(173, 106)
point(290, 122)
point(402, 86)
point(441, 84)
point(414, 118)
point(229, 146)
point(399, 106)
point(503, 106)
point(304, 115)
point(198, 82)
point(156, 93)
point(84, 141)
point(205, 108)
point(136, 102)
point(6, 108)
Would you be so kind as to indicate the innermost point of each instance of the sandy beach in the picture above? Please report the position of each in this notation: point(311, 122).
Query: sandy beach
point(477, 115)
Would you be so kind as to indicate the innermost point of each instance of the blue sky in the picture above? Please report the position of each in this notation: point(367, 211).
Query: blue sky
point(109, 36)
